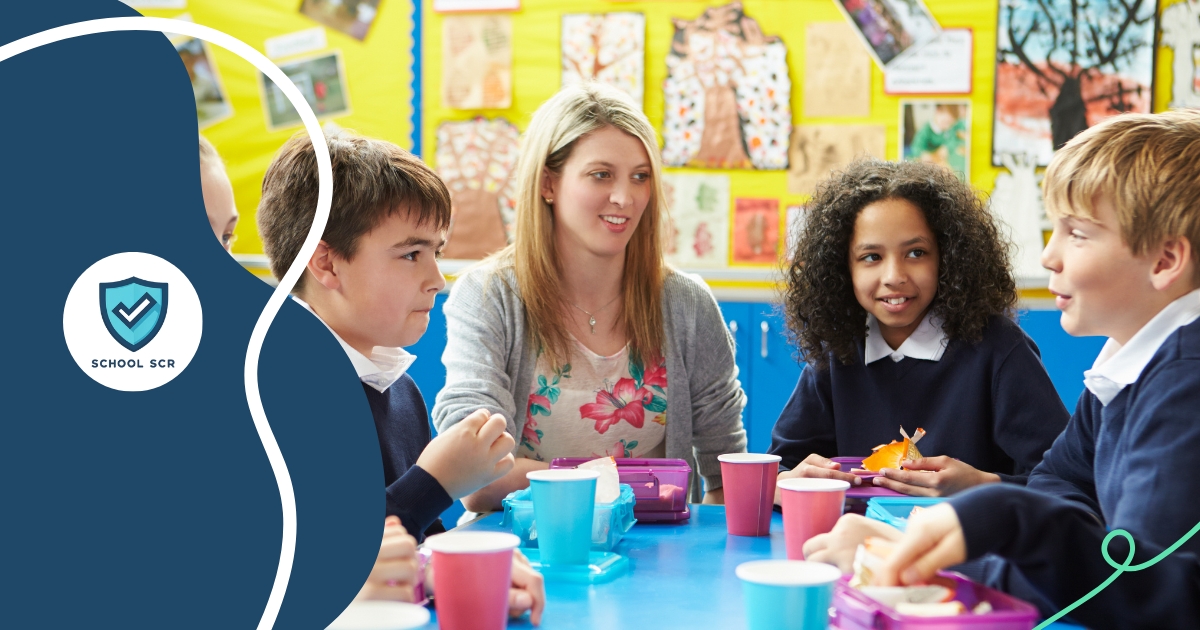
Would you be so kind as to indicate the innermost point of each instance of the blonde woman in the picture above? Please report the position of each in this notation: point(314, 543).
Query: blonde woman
point(578, 332)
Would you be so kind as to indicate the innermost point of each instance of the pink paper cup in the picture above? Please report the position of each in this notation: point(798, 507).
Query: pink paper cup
point(749, 482)
point(810, 507)
point(472, 572)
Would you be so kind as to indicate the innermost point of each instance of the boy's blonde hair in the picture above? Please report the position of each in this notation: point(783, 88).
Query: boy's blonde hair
point(1149, 167)
point(208, 154)
point(552, 134)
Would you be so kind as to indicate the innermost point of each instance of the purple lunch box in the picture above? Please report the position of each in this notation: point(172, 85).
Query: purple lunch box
point(660, 486)
point(852, 610)
point(856, 497)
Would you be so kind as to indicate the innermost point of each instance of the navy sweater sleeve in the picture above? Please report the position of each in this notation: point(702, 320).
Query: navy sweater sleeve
point(805, 426)
point(1028, 413)
point(1066, 469)
point(418, 499)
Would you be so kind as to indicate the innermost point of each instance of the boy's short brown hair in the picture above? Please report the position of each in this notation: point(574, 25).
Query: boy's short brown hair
point(1149, 167)
point(372, 179)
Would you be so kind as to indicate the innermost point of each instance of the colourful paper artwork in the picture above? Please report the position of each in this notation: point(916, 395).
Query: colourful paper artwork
point(835, 89)
point(321, 79)
point(352, 17)
point(477, 62)
point(755, 231)
point(727, 94)
point(212, 105)
point(476, 159)
point(938, 132)
point(891, 29)
point(1017, 201)
point(818, 150)
point(1181, 33)
point(698, 220)
point(1052, 84)
point(607, 47)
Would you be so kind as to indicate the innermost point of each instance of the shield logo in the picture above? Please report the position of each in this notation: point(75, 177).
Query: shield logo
point(133, 310)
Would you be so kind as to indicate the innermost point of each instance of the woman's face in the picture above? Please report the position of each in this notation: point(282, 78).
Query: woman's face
point(601, 193)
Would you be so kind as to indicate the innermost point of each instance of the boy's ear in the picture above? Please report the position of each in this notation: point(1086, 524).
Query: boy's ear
point(321, 267)
point(1174, 263)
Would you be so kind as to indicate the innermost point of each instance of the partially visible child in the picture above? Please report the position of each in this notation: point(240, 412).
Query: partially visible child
point(900, 296)
point(372, 280)
point(942, 140)
point(218, 194)
point(1123, 262)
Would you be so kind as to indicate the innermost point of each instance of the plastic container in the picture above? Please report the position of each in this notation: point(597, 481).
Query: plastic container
point(895, 510)
point(660, 486)
point(852, 610)
point(609, 522)
point(857, 496)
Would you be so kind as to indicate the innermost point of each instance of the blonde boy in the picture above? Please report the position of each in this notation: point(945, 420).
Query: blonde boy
point(1125, 200)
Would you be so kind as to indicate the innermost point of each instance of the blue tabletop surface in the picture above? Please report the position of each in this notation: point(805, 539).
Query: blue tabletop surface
point(681, 576)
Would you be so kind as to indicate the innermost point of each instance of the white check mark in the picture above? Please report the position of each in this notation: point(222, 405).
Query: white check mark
point(130, 316)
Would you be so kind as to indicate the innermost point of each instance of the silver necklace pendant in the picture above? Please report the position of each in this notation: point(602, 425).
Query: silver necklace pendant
point(592, 323)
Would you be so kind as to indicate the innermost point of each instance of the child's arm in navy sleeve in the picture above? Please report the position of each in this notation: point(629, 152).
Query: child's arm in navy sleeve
point(805, 425)
point(1028, 412)
point(1067, 470)
point(418, 499)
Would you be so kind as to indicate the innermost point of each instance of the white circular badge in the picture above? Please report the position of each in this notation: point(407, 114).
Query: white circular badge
point(132, 321)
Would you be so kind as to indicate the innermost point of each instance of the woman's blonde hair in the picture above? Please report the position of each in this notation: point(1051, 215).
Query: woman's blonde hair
point(552, 134)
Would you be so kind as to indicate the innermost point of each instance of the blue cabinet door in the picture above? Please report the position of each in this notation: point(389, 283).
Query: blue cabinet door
point(774, 370)
point(1064, 356)
point(738, 321)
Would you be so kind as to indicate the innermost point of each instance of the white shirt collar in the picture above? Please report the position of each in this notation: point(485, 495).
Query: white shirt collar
point(927, 342)
point(1118, 366)
point(385, 365)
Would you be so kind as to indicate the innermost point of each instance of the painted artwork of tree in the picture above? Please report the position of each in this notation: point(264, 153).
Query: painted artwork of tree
point(727, 93)
point(476, 158)
point(1064, 65)
point(608, 47)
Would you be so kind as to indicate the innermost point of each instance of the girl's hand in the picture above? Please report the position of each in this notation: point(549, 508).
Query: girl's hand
point(815, 466)
point(933, 541)
point(528, 591)
point(933, 477)
point(395, 570)
point(838, 546)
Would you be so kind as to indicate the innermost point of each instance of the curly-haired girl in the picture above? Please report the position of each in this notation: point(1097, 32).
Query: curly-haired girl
point(900, 298)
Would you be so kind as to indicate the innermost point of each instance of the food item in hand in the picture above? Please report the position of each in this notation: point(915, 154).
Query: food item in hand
point(925, 594)
point(945, 609)
point(890, 455)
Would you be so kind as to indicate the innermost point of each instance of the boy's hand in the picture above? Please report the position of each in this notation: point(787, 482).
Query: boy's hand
point(395, 570)
point(815, 466)
point(933, 540)
point(528, 591)
point(933, 477)
point(470, 454)
point(838, 546)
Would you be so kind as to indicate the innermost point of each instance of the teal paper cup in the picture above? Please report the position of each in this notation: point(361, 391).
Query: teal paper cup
point(787, 594)
point(563, 504)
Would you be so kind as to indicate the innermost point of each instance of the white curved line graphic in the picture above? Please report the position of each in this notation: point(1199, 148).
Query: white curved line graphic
point(324, 196)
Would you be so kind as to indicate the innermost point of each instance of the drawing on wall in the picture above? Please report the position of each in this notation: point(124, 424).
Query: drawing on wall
point(606, 47)
point(477, 62)
point(727, 93)
point(835, 89)
point(697, 234)
point(352, 17)
point(1017, 201)
point(212, 105)
point(890, 28)
point(1054, 80)
point(938, 132)
point(321, 79)
point(943, 66)
point(476, 158)
point(755, 231)
point(1181, 33)
point(817, 150)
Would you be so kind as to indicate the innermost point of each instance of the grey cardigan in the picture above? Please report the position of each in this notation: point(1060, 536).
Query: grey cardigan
point(490, 365)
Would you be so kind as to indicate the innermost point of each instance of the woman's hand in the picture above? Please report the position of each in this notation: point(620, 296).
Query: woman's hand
point(817, 467)
point(395, 570)
point(932, 541)
point(838, 546)
point(714, 497)
point(933, 477)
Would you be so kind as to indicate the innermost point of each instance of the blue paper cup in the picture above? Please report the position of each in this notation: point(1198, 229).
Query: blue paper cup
point(564, 501)
point(787, 594)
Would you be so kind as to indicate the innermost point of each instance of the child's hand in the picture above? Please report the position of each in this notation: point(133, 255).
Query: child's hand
point(933, 477)
point(933, 540)
point(395, 570)
point(527, 592)
point(470, 454)
point(815, 466)
point(838, 546)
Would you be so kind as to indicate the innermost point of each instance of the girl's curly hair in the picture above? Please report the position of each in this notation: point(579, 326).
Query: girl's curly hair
point(975, 278)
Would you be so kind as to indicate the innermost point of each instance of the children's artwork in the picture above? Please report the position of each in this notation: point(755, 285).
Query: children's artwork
point(212, 105)
point(698, 220)
point(756, 231)
point(835, 89)
point(727, 93)
point(794, 228)
point(476, 159)
point(321, 79)
point(606, 47)
point(352, 17)
point(943, 66)
point(477, 62)
point(297, 43)
point(1050, 86)
point(1017, 201)
point(890, 28)
point(938, 132)
point(818, 150)
point(1181, 33)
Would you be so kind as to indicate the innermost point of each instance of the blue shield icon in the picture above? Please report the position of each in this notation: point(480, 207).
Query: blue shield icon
point(133, 310)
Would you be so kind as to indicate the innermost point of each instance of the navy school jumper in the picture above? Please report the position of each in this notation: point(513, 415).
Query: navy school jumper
point(990, 404)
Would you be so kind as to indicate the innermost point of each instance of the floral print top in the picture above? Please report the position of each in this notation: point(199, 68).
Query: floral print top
point(595, 406)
